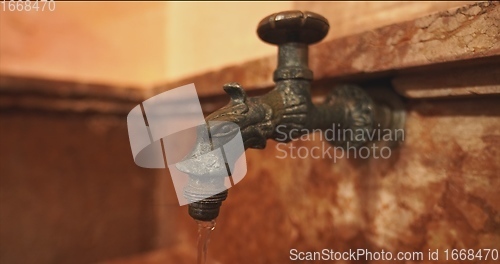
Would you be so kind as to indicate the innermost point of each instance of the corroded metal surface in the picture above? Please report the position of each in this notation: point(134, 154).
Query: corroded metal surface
point(288, 106)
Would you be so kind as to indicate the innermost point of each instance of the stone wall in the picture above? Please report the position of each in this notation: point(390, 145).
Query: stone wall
point(437, 191)
point(69, 189)
point(71, 193)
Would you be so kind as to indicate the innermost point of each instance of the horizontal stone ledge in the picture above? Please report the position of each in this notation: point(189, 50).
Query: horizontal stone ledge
point(69, 89)
point(409, 53)
point(467, 33)
point(38, 94)
point(49, 95)
point(83, 106)
point(471, 81)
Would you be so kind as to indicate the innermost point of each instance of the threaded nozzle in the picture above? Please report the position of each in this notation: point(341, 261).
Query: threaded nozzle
point(207, 209)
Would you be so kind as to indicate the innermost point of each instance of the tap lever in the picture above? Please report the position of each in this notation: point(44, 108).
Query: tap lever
point(236, 92)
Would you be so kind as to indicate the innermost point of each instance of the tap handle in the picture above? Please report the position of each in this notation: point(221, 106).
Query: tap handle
point(293, 26)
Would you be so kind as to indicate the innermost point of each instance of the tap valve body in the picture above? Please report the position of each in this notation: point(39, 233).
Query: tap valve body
point(288, 106)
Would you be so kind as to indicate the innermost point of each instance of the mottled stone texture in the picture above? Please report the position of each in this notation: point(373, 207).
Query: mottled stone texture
point(472, 31)
point(350, 17)
point(438, 191)
point(69, 189)
point(468, 32)
point(70, 192)
point(476, 80)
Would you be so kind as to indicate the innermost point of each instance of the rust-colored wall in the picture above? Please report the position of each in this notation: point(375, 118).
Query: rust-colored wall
point(69, 190)
point(119, 43)
point(145, 43)
point(438, 191)
point(353, 17)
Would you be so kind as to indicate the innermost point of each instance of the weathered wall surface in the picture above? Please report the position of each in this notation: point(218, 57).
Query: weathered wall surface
point(143, 43)
point(350, 17)
point(70, 192)
point(438, 191)
point(117, 43)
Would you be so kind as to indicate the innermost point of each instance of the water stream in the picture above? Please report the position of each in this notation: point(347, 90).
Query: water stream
point(204, 230)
